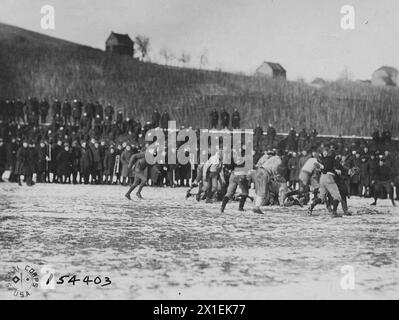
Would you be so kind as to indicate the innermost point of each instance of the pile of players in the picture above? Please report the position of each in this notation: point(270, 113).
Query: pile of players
point(322, 177)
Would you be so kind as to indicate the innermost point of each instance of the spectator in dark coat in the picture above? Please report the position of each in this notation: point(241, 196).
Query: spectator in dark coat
point(303, 139)
point(270, 136)
point(64, 165)
point(56, 107)
point(76, 156)
point(235, 119)
point(97, 164)
point(86, 163)
point(225, 118)
point(109, 111)
point(125, 157)
point(396, 175)
point(376, 137)
point(109, 164)
point(214, 117)
point(293, 167)
point(66, 111)
point(291, 140)
point(383, 182)
point(364, 177)
point(258, 134)
point(3, 159)
point(24, 164)
point(12, 150)
point(90, 110)
point(156, 118)
point(164, 120)
point(42, 154)
point(43, 111)
point(56, 150)
point(76, 112)
point(19, 111)
point(99, 110)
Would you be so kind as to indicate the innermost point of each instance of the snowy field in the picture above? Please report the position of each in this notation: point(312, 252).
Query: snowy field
point(165, 247)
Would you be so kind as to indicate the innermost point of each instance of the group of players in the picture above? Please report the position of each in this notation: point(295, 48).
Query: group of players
point(322, 176)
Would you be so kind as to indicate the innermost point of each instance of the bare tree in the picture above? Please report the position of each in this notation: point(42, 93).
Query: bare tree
point(143, 45)
point(184, 58)
point(166, 54)
point(204, 60)
point(346, 74)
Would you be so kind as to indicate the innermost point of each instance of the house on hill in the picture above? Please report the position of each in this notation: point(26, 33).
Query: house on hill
point(119, 44)
point(271, 70)
point(385, 76)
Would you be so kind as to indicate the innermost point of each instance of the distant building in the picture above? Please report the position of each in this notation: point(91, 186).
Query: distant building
point(385, 76)
point(119, 44)
point(318, 83)
point(271, 70)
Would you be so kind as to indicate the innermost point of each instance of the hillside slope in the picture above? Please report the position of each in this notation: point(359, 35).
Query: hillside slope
point(38, 65)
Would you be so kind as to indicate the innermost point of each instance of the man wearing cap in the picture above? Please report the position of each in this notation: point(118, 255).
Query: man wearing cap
point(109, 111)
point(384, 180)
point(66, 111)
point(24, 164)
point(109, 164)
point(42, 162)
point(85, 163)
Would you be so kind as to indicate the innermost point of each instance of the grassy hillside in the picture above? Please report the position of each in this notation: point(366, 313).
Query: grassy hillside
point(34, 64)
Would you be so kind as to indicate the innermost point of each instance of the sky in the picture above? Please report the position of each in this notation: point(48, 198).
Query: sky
point(304, 36)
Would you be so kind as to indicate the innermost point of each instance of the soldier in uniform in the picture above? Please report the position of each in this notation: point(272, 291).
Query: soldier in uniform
point(125, 157)
point(3, 159)
point(42, 162)
point(99, 110)
point(56, 107)
point(109, 111)
point(270, 136)
point(85, 163)
point(97, 165)
point(214, 119)
point(235, 119)
point(109, 164)
point(156, 117)
point(76, 112)
point(76, 155)
point(383, 181)
point(258, 134)
point(66, 112)
point(225, 118)
point(58, 148)
point(64, 165)
point(24, 164)
point(19, 111)
point(44, 108)
point(164, 120)
point(12, 158)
